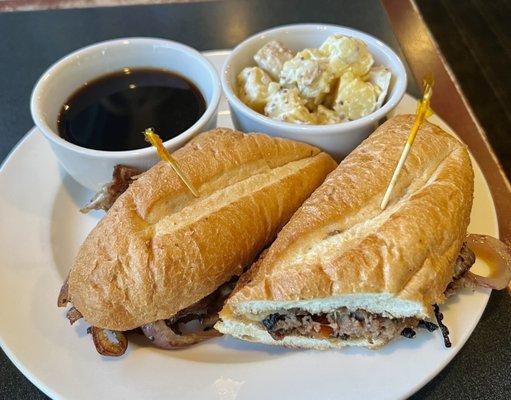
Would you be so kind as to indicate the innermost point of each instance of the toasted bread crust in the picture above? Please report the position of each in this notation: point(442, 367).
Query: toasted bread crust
point(159, 250)
point(339, 243)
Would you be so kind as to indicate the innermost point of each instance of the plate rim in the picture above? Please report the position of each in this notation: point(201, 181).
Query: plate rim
point(18, 363)
point(54, 395)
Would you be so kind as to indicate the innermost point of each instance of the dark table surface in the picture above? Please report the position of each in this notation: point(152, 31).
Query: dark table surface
point(475, 38)
point(34, 40)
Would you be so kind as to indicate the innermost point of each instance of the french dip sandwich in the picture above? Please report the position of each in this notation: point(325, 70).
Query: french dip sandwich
point(161, 257)
point(343, 272)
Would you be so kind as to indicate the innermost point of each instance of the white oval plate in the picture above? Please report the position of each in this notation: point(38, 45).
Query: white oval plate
point(40, 232)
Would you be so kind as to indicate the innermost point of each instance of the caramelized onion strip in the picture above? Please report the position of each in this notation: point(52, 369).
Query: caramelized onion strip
point(164, 337)
point(107, 342)
point(63, 298)
point(498, 256)
point(73, 315)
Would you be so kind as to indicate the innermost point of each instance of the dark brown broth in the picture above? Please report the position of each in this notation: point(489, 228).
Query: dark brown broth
point(111, 112)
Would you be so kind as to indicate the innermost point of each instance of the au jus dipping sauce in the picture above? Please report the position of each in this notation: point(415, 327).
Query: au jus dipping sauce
point(111, 112)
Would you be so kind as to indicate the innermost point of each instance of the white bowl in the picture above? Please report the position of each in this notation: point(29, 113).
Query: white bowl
point(337, 139)
point(93, 168)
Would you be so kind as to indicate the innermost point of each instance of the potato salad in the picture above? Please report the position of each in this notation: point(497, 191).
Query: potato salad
point(334, 83)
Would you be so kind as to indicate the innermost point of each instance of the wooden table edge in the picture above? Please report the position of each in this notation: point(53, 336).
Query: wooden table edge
point(423, 56)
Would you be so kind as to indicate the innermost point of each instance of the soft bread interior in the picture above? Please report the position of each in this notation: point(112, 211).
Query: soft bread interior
point(384, 304)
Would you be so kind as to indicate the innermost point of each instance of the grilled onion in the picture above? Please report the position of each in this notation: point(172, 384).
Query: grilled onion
point(63, 298)
point(109, 343)
point(498, 255)
point(164, 337)
point(73, 315)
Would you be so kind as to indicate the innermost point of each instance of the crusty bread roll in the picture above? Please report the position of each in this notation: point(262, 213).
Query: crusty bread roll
point(159, 249)
point(341, 250)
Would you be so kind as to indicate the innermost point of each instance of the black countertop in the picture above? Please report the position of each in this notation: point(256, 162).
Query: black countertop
point(475, 38)
point(31, 41)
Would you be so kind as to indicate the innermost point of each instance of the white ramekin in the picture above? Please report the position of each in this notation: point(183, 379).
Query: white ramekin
point(93, 168)
point(337, 139)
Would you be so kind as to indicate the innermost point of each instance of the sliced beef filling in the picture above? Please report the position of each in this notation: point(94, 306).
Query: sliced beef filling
point(122, 177)
point(360, 324)
point(205, 311)
point(340, 323)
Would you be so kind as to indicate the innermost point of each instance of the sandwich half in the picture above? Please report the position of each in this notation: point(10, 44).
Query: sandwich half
point(161, 257)
point(343, 272)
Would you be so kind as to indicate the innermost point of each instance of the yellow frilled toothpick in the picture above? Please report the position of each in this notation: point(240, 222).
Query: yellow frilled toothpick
point(422, 112)
point(154, 139)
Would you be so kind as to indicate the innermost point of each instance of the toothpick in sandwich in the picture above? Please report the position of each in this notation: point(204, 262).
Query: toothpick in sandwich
point(422, 112)
point(154, 139)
